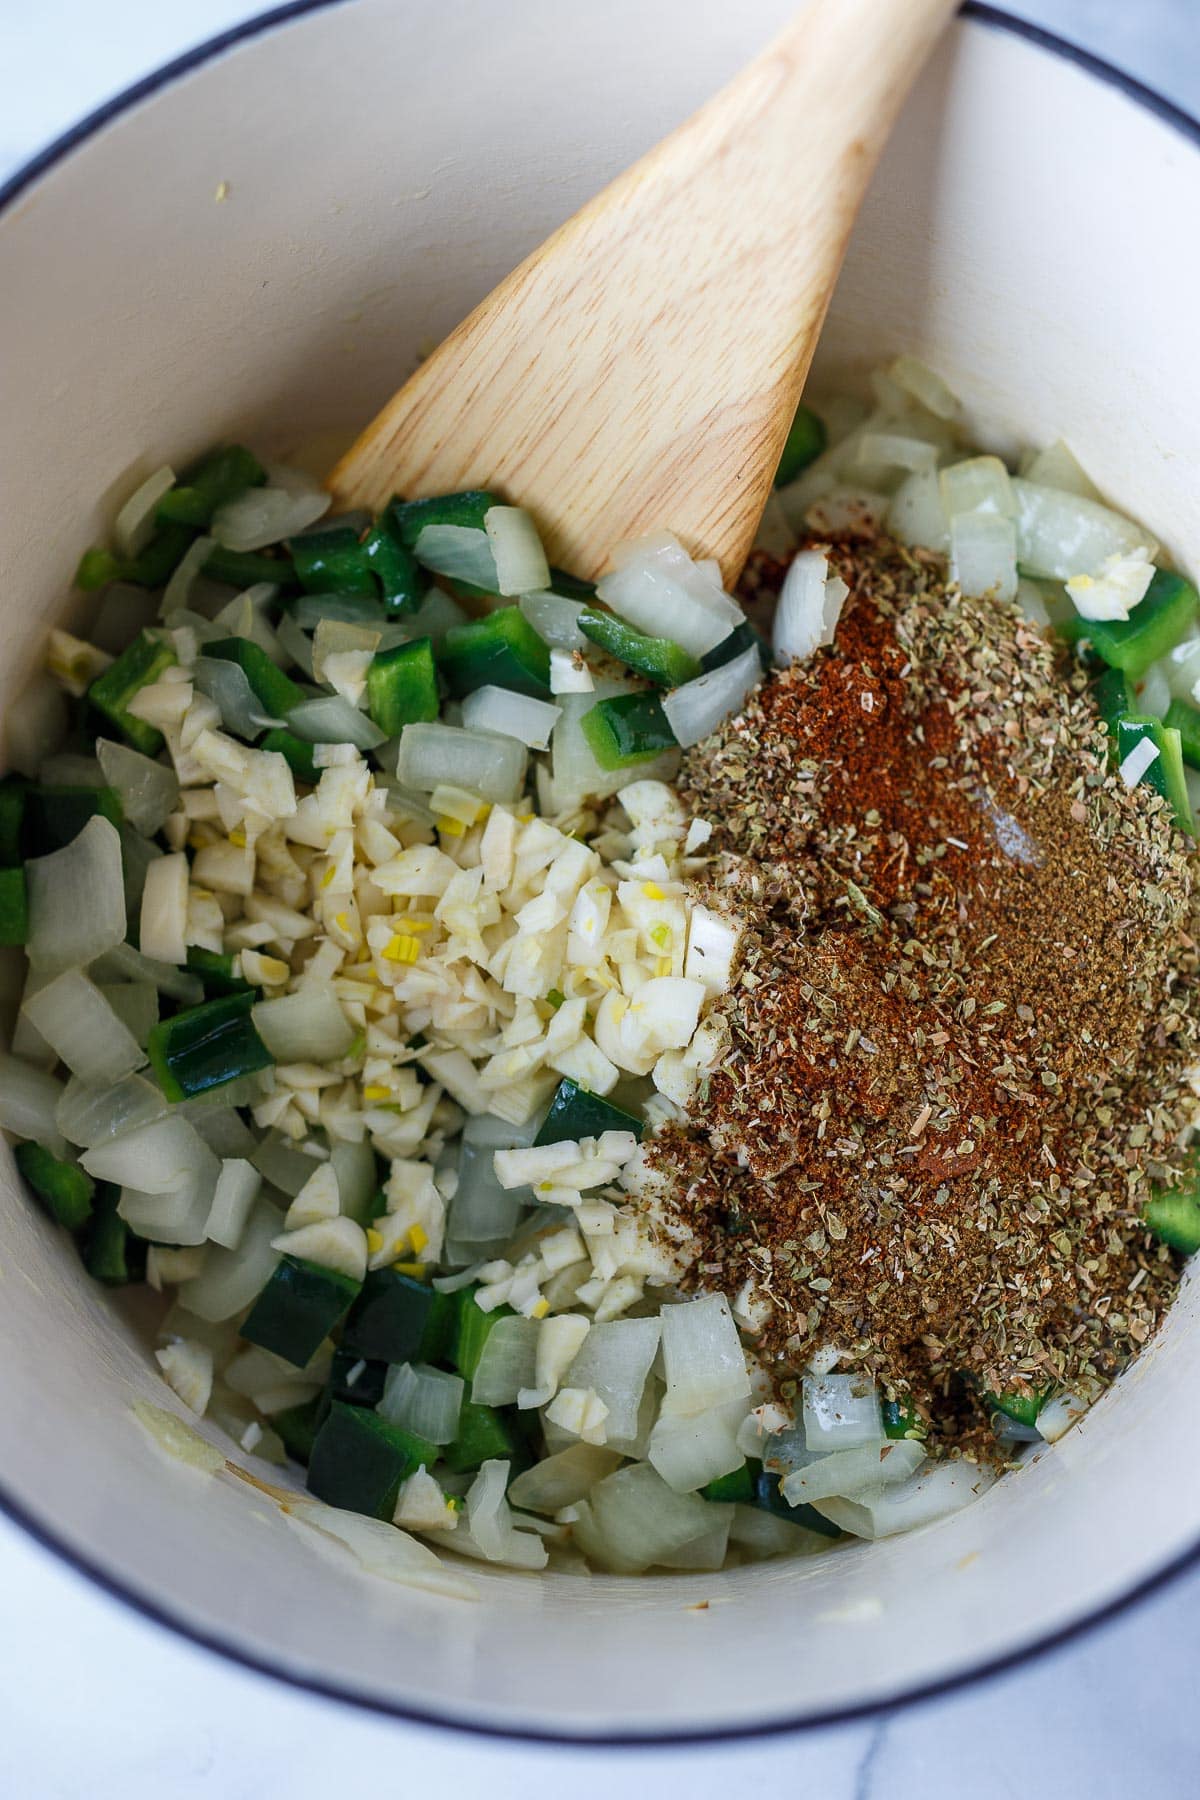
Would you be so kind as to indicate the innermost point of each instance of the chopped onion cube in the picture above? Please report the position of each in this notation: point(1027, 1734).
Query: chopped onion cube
point(63, 933)
point(810, 603)
point(841, 1412)
point(79, 1024)
point(656, 586)
point(521, 566)
point(497, 709)
point(983, 555)
point(308, 1026)
point(267, 515)
point(434, 754)
point(460, 553)
point(133, 526)
point(695, 710)
point(702, 1355)
point(1061, 535)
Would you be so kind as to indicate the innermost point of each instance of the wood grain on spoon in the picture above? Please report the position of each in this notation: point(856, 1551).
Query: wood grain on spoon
point(641, 368)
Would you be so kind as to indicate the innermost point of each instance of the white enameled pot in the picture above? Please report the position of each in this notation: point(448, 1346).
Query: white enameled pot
point(257, 243)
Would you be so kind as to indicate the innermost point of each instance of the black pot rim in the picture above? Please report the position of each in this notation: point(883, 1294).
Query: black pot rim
point(785, 1725)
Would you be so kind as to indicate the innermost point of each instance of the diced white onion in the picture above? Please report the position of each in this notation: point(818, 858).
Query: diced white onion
point(614, 1362)
point(507, 1362)
point(555, 619)
point(91, 1115)
point(331, 719)
point(227, 686)
point(689, 1451)
point(149, 791)
point(703, 1359)
point(983, 555)
point(925, 385)
point(521, 566)
point(498, 709)
point(657, 587)
point(232, 1278)
point(563, 1478)
point(337, 1244)
point(916, 515)
point(423, 1400)
point(1059, 1414)
point(178, 1216)
point(695, 710)
point(185, 575)
point(135, 1004)
point(893, 450)
point(460, 553)
point(29, 1101)
point(164, 915)
point(35, 723)
point(1060, 535)
point(267, 515)
point(1057, 466)
point(979, 484)
point(157, 1158)
point(133, 526)
point(1154, 692)
point(938, 1490)
point(435, 754)
point(762, 1534)
point(810, 603)
point(632, 1520)
point(307, 1026)
point(124, 963)
point(381, 1549)
point(76, 1020)
point(238, 1186)
point(63, 933)
point(840, 1412)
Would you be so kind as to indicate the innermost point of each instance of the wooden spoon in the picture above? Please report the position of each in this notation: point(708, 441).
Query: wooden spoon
point(641, 369)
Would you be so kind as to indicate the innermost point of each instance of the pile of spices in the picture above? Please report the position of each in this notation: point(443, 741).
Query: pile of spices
point(965, 1015)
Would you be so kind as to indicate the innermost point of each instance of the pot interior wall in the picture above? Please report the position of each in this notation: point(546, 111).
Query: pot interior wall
point(365, 210)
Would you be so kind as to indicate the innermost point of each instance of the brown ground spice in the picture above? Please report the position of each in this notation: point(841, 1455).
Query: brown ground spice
point(965, 1013)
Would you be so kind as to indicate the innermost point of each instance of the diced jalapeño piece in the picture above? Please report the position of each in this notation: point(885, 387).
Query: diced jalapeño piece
point(295, 751)
point(402, 686)
point(1165, 772)
point(248, 568)
point(399, 1319)
point(137, 667)
point(402, 581)
point(298, 1425)
point(151, 567)
point(356, 1380)
point(216, 972)
point(1023, 1409)
point(474, 1328)
point(740, 639)
point(277, 692)
point(64, 1189)
point(330, 560)
point(901, 1420)
point(1174, 1218)
point(627, 730)
point(576, 1113)
point(768, 1498)
point(1113, 696)
point(662, 661)
point(14, 907)
point(736, 1486)
point(408, 518)
point(54, 816)
point(13, 792)
point(805, 441)
point(111, 1253)
point(502, 650)
point(206, 1046)
point(358, 1460)
point(1184, 718)
point(220, 476)
point(484, 1435)
point(1156, 624)
point(298, 1308)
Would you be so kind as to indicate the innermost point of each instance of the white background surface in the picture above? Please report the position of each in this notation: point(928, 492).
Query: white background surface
point(96, 1702)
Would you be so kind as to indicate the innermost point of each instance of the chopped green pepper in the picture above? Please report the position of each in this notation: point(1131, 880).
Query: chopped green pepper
point(111, 1253)
point(220, 476)
point(13, 791)
point(54, 816)
point(206, 1046)
point(216, 972)
point(298, 1308)
point(151, 567)
point(308, 610)
point(570, 587)
point(1165, 773)
point(1183, 717)
point(137, 667)
point(768, 1498)
point(248, 568)
point(14, 907)
point(358, 1460)
point(483, 1435)
point(1155, 625)
point(1114, 700)
point(408, 518)
point(901, 1420)
point(661, 660)
point(399, 1319)
point(402, 581)
point(64, 1189)
point(355, 1379)
point(577, 1113)
point(805, 441)
point(1174, 1218)
point(331, 560)
point(502, 650)
point(402, 686)
point(1023, 1409)
point(474, 1328)
point(296, 752)
point(742, 638)
point(737, 1486)
point(297, 1426)
point(627, 730)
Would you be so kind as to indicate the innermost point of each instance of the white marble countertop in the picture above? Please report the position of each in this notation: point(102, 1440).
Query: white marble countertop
point(96, 1702)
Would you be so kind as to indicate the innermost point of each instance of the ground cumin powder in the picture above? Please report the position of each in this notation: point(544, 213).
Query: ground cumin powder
point(969, 1000)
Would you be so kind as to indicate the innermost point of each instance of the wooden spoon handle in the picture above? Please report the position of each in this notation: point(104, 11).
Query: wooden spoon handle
point(642, 367)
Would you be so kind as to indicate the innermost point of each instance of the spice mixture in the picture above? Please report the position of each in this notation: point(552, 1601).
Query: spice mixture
point(966, 1011)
